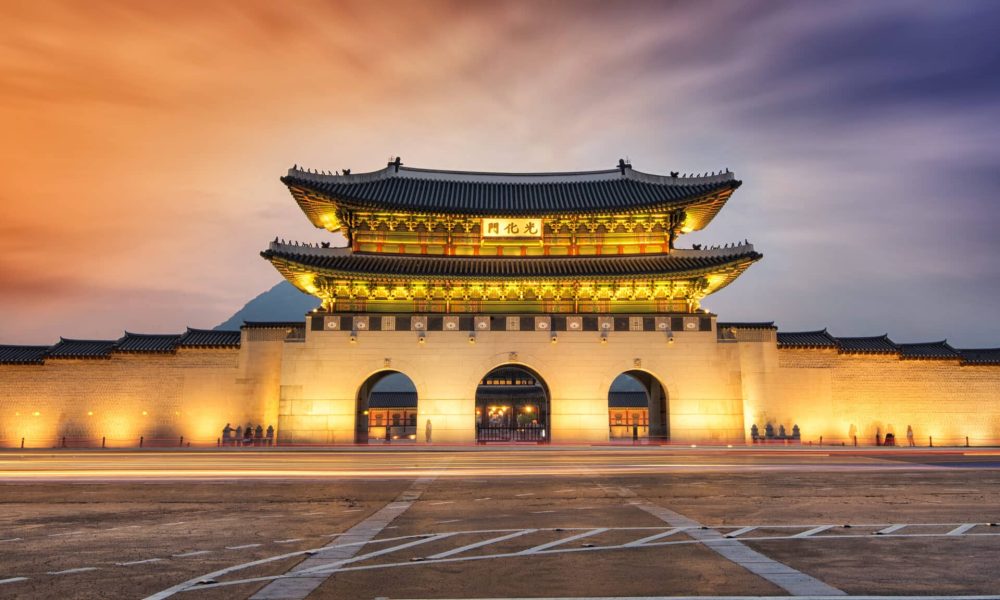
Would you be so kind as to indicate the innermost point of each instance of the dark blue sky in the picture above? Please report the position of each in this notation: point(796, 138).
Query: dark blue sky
point(145, 141)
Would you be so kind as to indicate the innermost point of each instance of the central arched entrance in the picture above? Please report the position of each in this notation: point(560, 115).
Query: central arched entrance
point(637, 409)
point(512, 405)
point(386, 409)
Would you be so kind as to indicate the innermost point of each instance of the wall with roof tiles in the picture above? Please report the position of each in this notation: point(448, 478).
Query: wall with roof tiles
point(160, 397)
point(838, 396)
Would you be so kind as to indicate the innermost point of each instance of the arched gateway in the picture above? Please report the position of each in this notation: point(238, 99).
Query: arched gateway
point(386, 409)
point(512, 405)
point(637, 408)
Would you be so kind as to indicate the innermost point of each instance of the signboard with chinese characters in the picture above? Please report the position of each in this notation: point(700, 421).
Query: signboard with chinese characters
point(511, 228)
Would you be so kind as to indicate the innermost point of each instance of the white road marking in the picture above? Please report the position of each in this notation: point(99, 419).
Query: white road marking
point(304, 578)
point(172, 524)
point(333, 566)
point(312, 514)
point(890, 529)
point(288, 541)
point(813, 531)
point(962, 529)
point(12, 580)
point(448, 521)
point(192, 553)
point(565, 540)
point(331, 569)
point(122, 527)
point(542, 512)
point(139, 562)
point(67, 533)
point(480, 544)
point(480, 499)
point(792, 581)
point(11, 540)
point(68, 571)
point(440, 503)
point(740, 531)
point(243, 547)
point(564, 491)
point(522, 495)
point(654, 537)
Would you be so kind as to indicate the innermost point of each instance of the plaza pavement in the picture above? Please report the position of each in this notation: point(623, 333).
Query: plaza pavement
point(499, 522)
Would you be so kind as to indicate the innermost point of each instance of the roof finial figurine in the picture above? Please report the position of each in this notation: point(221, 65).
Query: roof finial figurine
point(347, 171)
point(396, 164)
point(622, 165)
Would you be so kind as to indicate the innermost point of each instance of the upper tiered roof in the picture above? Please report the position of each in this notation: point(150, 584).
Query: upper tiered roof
point(510, 194)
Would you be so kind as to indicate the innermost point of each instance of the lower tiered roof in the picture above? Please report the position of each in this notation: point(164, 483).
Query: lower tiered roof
point(338, 261)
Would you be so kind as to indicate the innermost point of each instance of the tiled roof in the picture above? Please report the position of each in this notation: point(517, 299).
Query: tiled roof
point(22, 355)
point(745, 325)
point(980, 356)
point(392, 400)
point(209, 338)
point(806, 339)
point(147, 342)
point(628, 400)
point(82, 349)
point(460, 192)
point(927, 350)
point(531, 267)
point(880, 344)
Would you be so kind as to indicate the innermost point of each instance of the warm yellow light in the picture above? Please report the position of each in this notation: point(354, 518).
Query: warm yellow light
point(36, 414)
point(365, 412)
point(528, 409)
point(90, 413)
point(144, 413)
point(687, 229)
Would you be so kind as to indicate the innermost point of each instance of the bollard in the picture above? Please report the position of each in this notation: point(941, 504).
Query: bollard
point(181, 444)
point(820, 440)
point(930, 440)
point(22, 443)
point(855, 441)
point(104, 441)
point(966, 441)
point(142, 438)
point(218, 442)
point(64, 441)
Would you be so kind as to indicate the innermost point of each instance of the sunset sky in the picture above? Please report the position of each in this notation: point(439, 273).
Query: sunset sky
point(142, 143)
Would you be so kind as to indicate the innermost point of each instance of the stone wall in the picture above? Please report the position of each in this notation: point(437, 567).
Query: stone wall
point(838, 396)
point(716, 389)
point(159, 397)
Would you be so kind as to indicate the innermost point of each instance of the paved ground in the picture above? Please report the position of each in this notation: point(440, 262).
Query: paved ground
point(498, 523)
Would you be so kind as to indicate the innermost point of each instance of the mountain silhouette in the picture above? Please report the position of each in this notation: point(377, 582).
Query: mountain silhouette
point(283, 302)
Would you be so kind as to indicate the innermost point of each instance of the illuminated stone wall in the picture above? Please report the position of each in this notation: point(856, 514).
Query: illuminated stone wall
point(159, 397)
point(716, 389)
point(837, 396)
point(321, 378)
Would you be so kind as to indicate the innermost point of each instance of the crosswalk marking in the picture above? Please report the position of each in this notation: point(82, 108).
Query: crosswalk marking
point(962, 529)
point(813, 531)
point(890, 529)
point(480, 544)
point(740, 531)
point(652, 538)
point(562, 541)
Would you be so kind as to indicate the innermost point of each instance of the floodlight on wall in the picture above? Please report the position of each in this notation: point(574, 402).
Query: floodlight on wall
point(670, 338)
point(354, 337)
point(604, 338)
point(554, 338)
point(472, 338)
point(420, 338)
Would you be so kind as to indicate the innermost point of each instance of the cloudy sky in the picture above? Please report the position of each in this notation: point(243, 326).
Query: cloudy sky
point(142, 142)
